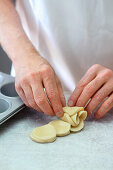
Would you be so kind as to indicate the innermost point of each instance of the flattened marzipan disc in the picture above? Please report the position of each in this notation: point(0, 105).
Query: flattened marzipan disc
point(78, 128)
point(62, 128)
point(66, 118)
point(83, 115)
point(43, 134)
point(72, 110)
point(34, 138)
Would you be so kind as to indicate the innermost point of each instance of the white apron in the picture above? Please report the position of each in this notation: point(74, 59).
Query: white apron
point(71, 34)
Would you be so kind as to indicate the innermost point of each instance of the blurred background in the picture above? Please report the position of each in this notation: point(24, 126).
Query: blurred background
point(5, 62)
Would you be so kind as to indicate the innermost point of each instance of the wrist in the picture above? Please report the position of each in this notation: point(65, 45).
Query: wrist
point(27, 60)
point(24, 54)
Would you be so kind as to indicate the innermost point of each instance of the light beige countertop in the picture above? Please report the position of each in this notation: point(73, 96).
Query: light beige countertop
point(90, 149)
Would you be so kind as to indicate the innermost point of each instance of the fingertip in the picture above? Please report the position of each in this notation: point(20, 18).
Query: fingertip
point(70, 103)
point(59, 114)
point(51, 114)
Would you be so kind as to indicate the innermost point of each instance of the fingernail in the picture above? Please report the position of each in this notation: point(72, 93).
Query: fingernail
point(59, 114)
point(70, 103)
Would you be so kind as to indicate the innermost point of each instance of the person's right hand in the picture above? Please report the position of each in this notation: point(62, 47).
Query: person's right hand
point(32, 76)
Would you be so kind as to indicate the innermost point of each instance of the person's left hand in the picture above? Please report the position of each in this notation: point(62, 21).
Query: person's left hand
point(95, 86)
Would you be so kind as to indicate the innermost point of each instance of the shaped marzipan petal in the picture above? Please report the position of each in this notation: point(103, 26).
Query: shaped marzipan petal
point(75, 119)
point(78, 128)
point(66, 118)
point(82, 115)
point(72, 110)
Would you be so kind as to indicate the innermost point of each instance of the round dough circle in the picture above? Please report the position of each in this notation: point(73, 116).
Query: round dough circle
point(43, 134)
point(62, 128)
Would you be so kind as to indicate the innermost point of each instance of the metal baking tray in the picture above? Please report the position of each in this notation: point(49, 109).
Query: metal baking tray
point(10, 102)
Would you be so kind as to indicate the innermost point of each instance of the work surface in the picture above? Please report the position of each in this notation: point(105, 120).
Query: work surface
point(90, 149)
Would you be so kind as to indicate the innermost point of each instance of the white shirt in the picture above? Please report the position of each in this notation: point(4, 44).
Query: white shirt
point(71, 34)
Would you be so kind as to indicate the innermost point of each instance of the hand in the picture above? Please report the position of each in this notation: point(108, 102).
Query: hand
point(32, 76)
point(95, 86)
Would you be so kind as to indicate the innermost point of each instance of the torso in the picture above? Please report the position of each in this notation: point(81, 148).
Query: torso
point(72, 35)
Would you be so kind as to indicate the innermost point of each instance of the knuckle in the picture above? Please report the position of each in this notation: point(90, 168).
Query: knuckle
point(24, 80)
point(97, 97)
point(46, 70)
point(32, 75)
point(40, 101)
point(107, 73)
point(81, 85)
point(52, 95)
point(88, 89)
point(109, 103)
point(32, 103)
point(95, 66)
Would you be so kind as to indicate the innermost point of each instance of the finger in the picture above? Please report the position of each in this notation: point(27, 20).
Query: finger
point(89, 91)
point(99, 97)
point(88, 77)
point(29, 96)
point(53, 94)
point(40, 97)
point(105, 107)
point(22, 95)
point(61, 94)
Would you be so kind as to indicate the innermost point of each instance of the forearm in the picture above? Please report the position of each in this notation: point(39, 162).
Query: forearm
point(12, 36)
